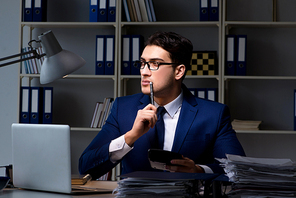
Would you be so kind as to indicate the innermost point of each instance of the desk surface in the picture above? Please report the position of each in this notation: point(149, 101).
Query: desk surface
point(18, 193)
point(21, 193)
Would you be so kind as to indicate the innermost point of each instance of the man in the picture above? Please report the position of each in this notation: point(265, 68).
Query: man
point(198, 129)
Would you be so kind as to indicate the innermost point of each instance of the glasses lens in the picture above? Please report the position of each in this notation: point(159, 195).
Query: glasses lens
point(153, 65)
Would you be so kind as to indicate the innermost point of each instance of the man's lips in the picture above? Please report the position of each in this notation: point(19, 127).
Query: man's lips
point(145, 82)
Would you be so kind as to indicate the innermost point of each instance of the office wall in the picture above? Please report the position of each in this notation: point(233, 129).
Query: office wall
point(9, 44)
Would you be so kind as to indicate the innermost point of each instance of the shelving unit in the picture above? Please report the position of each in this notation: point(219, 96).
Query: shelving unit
point(263, 94)
point(266, 34)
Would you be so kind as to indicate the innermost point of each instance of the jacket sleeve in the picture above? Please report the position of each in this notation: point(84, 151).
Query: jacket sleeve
point(226, 141)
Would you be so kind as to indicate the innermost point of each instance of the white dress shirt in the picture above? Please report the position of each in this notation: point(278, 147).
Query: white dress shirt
point(118, 148)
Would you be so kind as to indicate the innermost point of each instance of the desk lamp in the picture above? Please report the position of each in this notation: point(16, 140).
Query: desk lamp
point(57, 62)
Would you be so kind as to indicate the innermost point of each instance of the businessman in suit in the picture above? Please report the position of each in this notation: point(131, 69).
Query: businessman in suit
point(198, 129)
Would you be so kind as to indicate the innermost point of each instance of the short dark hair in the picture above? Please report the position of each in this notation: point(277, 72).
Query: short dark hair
point(179, 47)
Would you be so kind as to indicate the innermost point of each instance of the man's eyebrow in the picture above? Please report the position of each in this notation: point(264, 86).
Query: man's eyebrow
point(153, 59)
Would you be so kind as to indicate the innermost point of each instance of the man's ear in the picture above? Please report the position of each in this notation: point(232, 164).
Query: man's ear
point(179, 71)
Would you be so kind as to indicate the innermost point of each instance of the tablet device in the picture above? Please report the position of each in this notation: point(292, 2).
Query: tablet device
point(159, 158)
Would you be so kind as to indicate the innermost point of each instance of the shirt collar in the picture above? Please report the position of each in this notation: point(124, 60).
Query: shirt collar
point(173, 106)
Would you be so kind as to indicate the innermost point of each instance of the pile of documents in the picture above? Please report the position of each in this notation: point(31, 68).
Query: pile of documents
point(260, 177)
point(249, 125)
point(163, 184)
point(133, 187)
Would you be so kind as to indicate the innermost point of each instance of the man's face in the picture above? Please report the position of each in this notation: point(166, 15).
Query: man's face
point(163, 79)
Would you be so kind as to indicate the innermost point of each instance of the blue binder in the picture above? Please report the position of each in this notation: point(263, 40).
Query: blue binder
point(25, 105)
point(204, 10)
point(212, 94)
point(93, 10)
point(126, 55)
point(127, 14)
point(230, 54)
point(36, 105)
point(201, 93)
point(103, 10)
point(109, 60)
point(100, 55)
point(40, 11)
point(28, 10)
point(241, 55)
point(137, 47)
point(214, 10)
point(47, 105)
point(111, 11)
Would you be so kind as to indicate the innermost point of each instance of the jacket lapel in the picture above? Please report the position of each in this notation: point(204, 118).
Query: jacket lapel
point(187, 115)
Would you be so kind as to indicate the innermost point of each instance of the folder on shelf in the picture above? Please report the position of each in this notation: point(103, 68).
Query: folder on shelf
point(93, 10)
point(47, 105)
point(103, 12)
point(212, 94)
point(126, 55)
point(204, 10)
point(40, 11)
point(214, 10)
point(137, 45)
point(25, 105)
point(148, 10)
point(152, 10)
point(230, 54)
point(132, 8)
point(96, 115)
point(112, 11)
point(126, 10)
point(28, 10)
point(25, 63)
point(100, 55)
point(109, 60)
point(137, 9)
point(36, 98)
point(193, 91)
point(201, 93)
point(143, 10)
point(241, 55)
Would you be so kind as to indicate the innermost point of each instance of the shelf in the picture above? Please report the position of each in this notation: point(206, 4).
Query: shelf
point(259, 24)
point(68, 24)
point(278, 132)
point(259, 77)
point(74, 76)
point(169, 23)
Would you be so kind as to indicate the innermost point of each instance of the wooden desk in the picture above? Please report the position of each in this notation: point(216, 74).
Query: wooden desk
point(21, 193)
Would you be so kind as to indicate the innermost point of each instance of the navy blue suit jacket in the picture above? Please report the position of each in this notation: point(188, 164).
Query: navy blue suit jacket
point(203, 133)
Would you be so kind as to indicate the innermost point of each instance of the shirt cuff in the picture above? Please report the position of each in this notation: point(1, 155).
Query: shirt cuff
point(118, 148)
point(206, 169)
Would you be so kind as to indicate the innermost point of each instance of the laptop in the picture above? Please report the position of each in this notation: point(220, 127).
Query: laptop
point(41, 158)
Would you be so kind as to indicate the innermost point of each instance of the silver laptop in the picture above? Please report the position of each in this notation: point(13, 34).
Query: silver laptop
point(41, 158)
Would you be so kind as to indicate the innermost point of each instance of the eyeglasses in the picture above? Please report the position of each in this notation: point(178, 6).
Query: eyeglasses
point(152, 65)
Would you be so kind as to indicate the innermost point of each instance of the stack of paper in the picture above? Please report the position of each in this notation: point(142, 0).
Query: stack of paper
point(245, 124)
point(162, 184)
point(266, 177)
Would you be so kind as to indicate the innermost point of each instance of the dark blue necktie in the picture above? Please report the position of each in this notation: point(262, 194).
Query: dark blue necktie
point(159, 126)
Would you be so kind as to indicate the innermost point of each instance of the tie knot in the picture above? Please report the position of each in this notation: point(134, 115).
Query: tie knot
point(160, 111)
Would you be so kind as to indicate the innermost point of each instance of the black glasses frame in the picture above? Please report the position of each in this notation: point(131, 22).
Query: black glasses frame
point(139, 64)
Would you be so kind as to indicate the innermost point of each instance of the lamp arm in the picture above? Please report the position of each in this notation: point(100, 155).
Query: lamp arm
point(35, 55)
